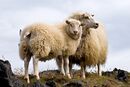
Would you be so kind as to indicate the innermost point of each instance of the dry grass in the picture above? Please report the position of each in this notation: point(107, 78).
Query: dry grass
point(92, 79)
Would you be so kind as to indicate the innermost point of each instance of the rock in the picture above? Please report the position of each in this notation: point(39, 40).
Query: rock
point(7, 78)
point(121, 75)
point(107, 73)
point(37, 84)
point(73, 84)
point(50, 83)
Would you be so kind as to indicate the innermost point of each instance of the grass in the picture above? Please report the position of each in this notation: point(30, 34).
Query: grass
point(92, 79)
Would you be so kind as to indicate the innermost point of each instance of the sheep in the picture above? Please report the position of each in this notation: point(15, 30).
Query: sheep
point(44, 42)
point(93, 47)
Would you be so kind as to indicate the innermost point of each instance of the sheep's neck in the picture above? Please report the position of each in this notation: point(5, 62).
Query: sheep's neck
point(71, 35)
point(85, 32)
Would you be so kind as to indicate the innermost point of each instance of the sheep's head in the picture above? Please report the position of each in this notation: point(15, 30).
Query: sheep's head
point(24, 35)
point(86, 20)
point(24, 50)
point(74, 29)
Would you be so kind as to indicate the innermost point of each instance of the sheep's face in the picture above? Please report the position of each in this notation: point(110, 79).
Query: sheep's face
point(74, 29)
point(86, 20)
point(24, 36)
point(74, 26)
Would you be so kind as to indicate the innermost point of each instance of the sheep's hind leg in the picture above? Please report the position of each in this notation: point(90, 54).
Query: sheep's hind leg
point(99, 70)
point(60, 64)
point(70, 68)
point(83, 71)
point(67, 67)
point(35, 66)
point(26, 64)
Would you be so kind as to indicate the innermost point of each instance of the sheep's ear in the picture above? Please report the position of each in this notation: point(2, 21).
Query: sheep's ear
point(85, 16)
point(67, 21)
point(27, 35)
point(20, 32)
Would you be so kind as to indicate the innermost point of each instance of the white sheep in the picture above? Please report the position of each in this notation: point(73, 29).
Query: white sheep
point(45, 42)
point(93, 46)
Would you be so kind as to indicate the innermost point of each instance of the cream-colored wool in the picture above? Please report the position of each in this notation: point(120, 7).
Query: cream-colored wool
point(24, 50)
point(48, 41)
point(93, 47)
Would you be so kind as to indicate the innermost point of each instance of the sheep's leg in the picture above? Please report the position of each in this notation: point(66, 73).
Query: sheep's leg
point(70, 68)
point(83, 67)
point(67, 67)
point(62, 67)
point(60, 64)
point(35, 65)
point(26, 65)
point(99, 70)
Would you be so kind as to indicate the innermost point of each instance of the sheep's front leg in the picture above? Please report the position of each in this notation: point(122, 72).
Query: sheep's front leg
point(62, 67)
point(26, 65)
point(66, 60)
point(99, 70)
point(35, 66)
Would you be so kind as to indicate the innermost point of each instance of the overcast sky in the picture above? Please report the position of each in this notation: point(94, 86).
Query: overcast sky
point(115, 14)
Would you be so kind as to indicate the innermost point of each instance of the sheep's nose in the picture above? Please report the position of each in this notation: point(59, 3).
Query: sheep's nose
point(75, 32)
point(96, 25)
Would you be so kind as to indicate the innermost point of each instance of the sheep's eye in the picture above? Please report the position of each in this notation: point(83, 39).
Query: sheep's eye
point(92, 15)
point(82, 24)
point(71, 25)
point(86, 17)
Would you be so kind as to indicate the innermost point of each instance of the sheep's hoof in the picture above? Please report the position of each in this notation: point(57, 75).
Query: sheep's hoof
point(27, 79)
point(83, 76)
point(37, 77)
point(62, 73)
point(99, 73)
point(68, 75)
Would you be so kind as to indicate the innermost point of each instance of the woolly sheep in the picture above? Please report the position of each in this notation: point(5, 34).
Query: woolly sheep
point(93, 47)
point(45, 42)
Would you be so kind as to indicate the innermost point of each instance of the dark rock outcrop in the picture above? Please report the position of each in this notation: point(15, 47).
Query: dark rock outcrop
point(37, 84)
point(73, 84)
point(7, 78)
point(119, 74)
point(49, 83)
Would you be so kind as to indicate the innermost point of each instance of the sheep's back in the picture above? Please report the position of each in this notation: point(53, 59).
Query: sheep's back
point(46, 39)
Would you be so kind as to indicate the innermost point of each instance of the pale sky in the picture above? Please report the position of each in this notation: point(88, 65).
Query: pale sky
point(115, 14)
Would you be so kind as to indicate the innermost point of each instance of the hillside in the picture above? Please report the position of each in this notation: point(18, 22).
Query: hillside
point(52, 78)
